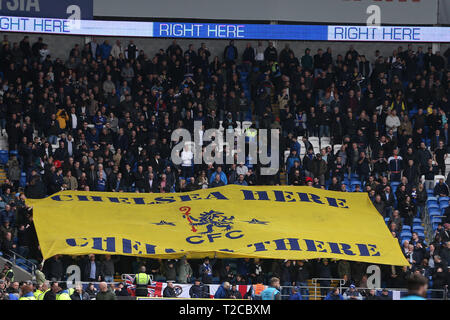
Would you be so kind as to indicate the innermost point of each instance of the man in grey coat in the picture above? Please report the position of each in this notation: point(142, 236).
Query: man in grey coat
point(184, 271)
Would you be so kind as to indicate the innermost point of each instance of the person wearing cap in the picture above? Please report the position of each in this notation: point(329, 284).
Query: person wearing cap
point(8, 271)
point(40, 276)
point(352, 293)
point(196, 290)
point(142, 280)
point(273, 291)
point(324, 273)
point(385, 295)
point(169, 290)
point(319, 168)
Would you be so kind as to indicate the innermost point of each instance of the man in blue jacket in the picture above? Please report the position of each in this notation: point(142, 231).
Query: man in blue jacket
point(223, 292)
point(334, 295)
point(223, 176)
point(104, 50)
point(295, 295)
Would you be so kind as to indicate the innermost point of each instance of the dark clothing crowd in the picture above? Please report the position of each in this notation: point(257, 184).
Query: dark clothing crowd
point(101, 119)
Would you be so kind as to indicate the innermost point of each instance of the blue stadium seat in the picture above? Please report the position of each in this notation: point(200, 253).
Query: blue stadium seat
point(436, 220)
point(432, 206)
point(418, 229)
point(443, 205)
point(417, 220)
point(4, 157)
point(442, 199)
point(395, 183)
point(432, 203)
point(434, 214)
point(406, 227)
point(23, 180)
point(406, 234)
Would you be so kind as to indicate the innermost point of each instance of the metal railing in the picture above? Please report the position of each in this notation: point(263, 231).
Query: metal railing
point(314, 292)
point(21, 262)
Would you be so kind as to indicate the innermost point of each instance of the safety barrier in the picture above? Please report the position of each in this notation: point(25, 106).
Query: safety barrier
point(308, 292)
point(21, 262)
point(393, 293)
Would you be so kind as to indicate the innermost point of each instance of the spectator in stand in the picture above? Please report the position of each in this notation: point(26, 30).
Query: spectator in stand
point(352, 294)
point(441, 189)
point(111, 111)
point(334, 295)
point(105, 293)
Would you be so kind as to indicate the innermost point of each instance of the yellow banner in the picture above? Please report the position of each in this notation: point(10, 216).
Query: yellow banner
point(278, 222)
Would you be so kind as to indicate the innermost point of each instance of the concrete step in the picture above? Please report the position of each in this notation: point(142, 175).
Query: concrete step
point(19, 273)
point(315, 290)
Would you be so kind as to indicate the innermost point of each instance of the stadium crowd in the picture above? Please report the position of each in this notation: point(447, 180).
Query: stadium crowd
point(101, 119)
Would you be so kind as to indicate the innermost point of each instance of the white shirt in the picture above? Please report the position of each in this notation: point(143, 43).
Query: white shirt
point(242, 170)
point(186, 158)
point(74, 120)
point(392, 122)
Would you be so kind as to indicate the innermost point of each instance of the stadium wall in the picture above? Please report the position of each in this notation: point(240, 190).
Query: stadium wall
point(419, 12)
point(60, 45)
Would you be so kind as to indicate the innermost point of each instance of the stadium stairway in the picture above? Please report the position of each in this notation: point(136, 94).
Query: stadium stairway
point(2, 175)
point(283, 178)
point(19, 273)
point(315, 290)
